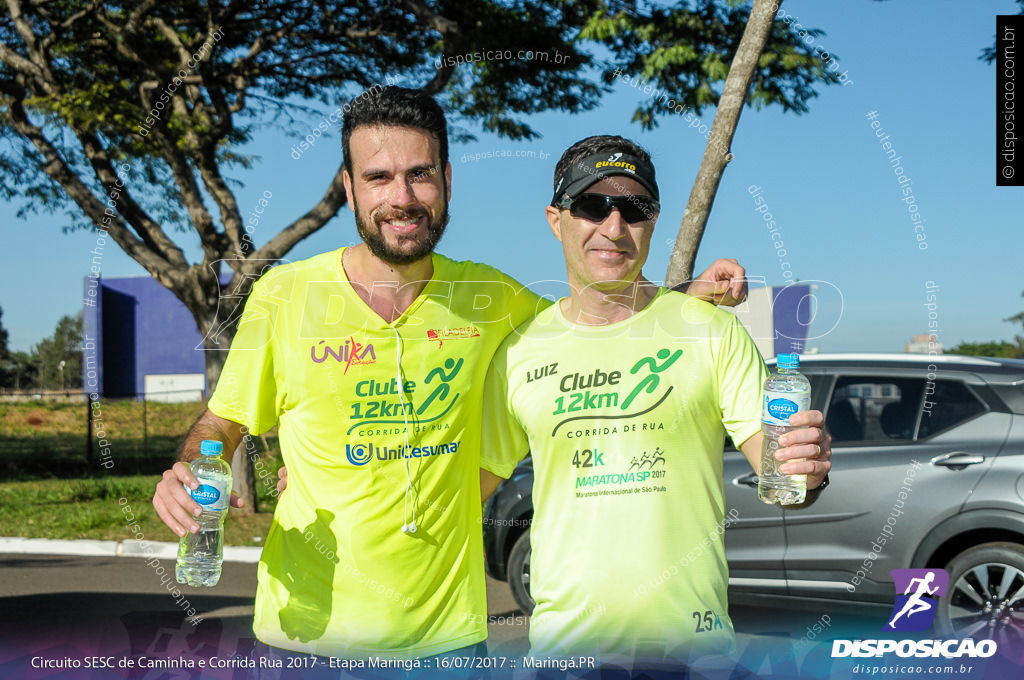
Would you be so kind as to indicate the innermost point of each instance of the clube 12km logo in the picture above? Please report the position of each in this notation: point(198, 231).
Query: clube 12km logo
point(917, 594)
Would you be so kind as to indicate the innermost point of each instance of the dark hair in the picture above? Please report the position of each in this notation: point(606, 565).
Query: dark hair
point(394, 106)
point(595, 145)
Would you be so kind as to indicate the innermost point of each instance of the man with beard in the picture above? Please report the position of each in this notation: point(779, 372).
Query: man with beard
point(371, 360)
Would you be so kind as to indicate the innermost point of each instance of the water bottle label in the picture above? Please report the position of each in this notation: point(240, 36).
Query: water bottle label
point(210, 497)
point(779, 406)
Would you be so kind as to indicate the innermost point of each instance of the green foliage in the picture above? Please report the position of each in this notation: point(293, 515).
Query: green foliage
point(65, 345)
point(19, 371)
point(990, 53)
point(996, 348)
point(7, 365)
point(686, 52)
point(4, 353)
point(276, 60)
point(1001, 348)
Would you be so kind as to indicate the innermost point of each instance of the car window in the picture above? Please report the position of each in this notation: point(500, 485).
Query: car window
point(866, 408)
point(951, 403)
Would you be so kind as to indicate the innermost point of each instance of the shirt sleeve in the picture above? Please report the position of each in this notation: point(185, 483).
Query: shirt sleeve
point(248, 392)
point(503, 442)
point(741, 376)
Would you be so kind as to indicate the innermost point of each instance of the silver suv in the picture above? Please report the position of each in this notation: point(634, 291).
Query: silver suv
point(928, 459)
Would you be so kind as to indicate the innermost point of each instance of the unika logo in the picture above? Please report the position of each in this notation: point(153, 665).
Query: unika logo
point(352, 353)
point(917, 592)
point(442, 334)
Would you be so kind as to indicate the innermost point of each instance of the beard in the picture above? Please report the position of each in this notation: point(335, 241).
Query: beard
point(411, 247)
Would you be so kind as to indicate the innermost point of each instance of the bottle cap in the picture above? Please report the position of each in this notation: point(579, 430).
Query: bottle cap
point(210, 447)
point(788, 361)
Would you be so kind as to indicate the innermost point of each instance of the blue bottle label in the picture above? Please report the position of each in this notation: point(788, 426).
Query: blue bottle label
point(778, 408)
point(209, 496)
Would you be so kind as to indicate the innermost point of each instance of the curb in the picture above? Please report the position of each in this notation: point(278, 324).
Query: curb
point(128, 548)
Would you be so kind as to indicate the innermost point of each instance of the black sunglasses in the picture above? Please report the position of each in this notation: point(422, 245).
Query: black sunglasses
point(597, 207)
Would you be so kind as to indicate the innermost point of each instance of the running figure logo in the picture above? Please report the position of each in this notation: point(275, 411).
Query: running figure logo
point(915, 608)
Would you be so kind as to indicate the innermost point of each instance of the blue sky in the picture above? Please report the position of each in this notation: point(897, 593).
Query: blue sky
point(829, 185)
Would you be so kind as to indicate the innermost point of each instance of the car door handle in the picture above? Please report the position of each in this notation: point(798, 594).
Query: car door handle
point(957, 460)
point(750, 479)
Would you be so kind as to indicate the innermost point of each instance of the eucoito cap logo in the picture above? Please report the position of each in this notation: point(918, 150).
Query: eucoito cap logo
point(917, 592)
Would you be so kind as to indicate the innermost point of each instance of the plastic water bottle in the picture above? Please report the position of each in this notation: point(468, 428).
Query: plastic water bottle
point(200, 555)
point(785, 393)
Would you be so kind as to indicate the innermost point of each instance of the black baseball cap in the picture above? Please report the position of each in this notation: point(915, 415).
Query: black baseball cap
point(592, 169)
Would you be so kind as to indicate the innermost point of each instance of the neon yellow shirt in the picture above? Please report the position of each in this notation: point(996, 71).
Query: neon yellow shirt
point(338, 577)
point(626, 424)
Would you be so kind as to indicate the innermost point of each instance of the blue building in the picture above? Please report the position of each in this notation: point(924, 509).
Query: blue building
point(140, 340)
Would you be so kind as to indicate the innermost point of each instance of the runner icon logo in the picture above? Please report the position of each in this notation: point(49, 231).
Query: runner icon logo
point(917, 592)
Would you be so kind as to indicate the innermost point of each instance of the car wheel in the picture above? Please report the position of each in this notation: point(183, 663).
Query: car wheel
point(986, 594)
point(519, 572)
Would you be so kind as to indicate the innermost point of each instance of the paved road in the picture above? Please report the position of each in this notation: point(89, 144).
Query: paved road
point(119, 603)
point(55, 607)
point(76, 606)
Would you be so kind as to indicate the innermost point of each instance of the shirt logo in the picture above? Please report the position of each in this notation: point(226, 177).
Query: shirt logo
point(442, 334)
point(361, 454)
point(399, 409)
point(650, 459)
point(579, 397)
point(353, 353)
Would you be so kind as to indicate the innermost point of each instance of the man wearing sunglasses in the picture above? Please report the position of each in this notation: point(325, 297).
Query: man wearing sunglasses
point(623, 392)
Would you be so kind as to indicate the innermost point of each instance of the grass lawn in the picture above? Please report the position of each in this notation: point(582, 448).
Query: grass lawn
point(41, 437)
point(91, 508)
point(49, 489)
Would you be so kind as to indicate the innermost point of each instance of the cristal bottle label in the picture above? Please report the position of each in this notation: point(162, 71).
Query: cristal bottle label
point(779, 406)
point(209, 496)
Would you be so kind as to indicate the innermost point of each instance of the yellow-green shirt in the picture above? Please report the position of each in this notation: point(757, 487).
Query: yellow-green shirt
point(363, 407)
point(626, 425)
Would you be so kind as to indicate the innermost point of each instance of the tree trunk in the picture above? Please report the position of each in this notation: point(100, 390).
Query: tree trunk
point(217, 322)
point(716, 154)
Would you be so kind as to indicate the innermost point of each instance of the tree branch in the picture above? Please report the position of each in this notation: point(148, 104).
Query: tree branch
point(36, 53)
point(334, 198)
point(225, 200)
point(716, 153)
point(57, 169)
point(148, 230)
